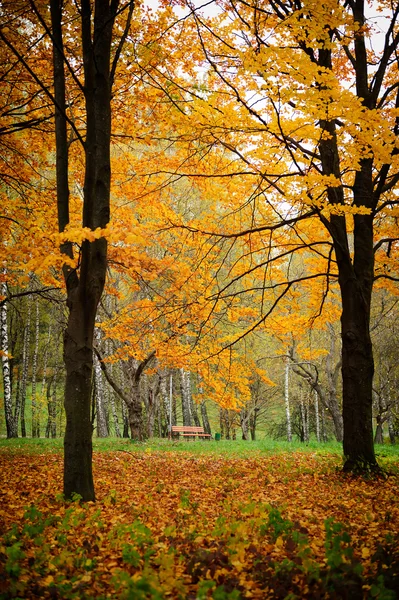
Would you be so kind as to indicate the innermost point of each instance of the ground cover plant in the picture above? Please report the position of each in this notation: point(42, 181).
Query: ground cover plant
point(198, 520)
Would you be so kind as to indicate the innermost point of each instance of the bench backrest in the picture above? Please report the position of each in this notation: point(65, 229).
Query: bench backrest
point(180, 428)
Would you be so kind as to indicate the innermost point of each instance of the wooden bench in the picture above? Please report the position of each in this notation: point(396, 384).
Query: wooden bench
point(194, 432)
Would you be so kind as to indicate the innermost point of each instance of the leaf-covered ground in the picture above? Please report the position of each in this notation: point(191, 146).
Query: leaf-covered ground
point(193, 526)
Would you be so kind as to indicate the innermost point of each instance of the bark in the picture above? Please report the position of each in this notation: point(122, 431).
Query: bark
point(45, 362)
point(205, 419)
point(331, 402)
point(186, 397)
point(11, 425)
point(317, 415)
point(287, 396)
point(244, 419)
point(21, 401)
point(166, 399)
point(35, 406)
point(125, 419)
point(135, 413)
point(194, 412)
point(84, 288)
point(222, 423)
point(150, 393)
point(102, 428)
point(111, 401)
point(51, 427)
point(304, 419)
point(355, 272)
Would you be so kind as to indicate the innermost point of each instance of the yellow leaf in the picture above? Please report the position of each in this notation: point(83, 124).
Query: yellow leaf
point(365, 552)
point(279, 542)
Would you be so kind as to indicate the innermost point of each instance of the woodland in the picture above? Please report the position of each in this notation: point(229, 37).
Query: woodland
point(199, 226)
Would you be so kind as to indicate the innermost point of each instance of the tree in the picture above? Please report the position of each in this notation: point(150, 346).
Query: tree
point(299, 109)
point(94, 53)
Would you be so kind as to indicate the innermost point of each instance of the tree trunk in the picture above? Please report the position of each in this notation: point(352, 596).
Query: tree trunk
point(304, 437)
point(317, 415)
point(205, 419)
point(244, 419)
point(135, 414)
point(357, 372)
point(51, 427)
point(35, 406)
point(355, 270)
point(166, 399)
point(78, 357)
point(222, 423)
point(185, 397)
point(111, 400)
point(21, 402)
point(84, 286)
point(194, 412)
point(11, 425)
point(287, 397)
point(125, 419)
point(102, 428)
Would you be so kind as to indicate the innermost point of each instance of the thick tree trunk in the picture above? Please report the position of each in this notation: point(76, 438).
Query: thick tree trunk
point(357, 378)
point(84, 286)
point(355, 269)
point(78, 357)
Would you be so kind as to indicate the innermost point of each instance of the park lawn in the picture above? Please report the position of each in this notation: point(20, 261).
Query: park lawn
point(198, 520)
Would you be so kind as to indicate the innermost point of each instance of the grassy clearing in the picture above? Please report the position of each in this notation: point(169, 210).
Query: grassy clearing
point(385, 453)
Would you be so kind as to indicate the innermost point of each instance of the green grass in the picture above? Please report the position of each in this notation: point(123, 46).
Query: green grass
point(235, 448)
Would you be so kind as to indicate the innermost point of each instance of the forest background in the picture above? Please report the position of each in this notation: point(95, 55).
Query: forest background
point(253, 155)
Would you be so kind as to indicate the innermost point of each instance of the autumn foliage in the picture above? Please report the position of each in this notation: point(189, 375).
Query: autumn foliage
point(173, 523)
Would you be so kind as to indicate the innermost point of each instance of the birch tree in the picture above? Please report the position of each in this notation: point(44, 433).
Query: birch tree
point(11, 424)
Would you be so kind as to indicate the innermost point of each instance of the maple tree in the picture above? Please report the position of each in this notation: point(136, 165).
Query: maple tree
point(83, 75)
point(293, 129)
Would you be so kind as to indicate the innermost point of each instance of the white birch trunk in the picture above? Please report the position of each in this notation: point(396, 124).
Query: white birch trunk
point(45, 362)
point(316, 410)
point(166, 400)
point(303, 414)
point(185, 397)
point(25, 366)
point(307, 413)
point(287, 398)
point(111, 397)
point(102, 429)
point(35, 407)
point(11, 424)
